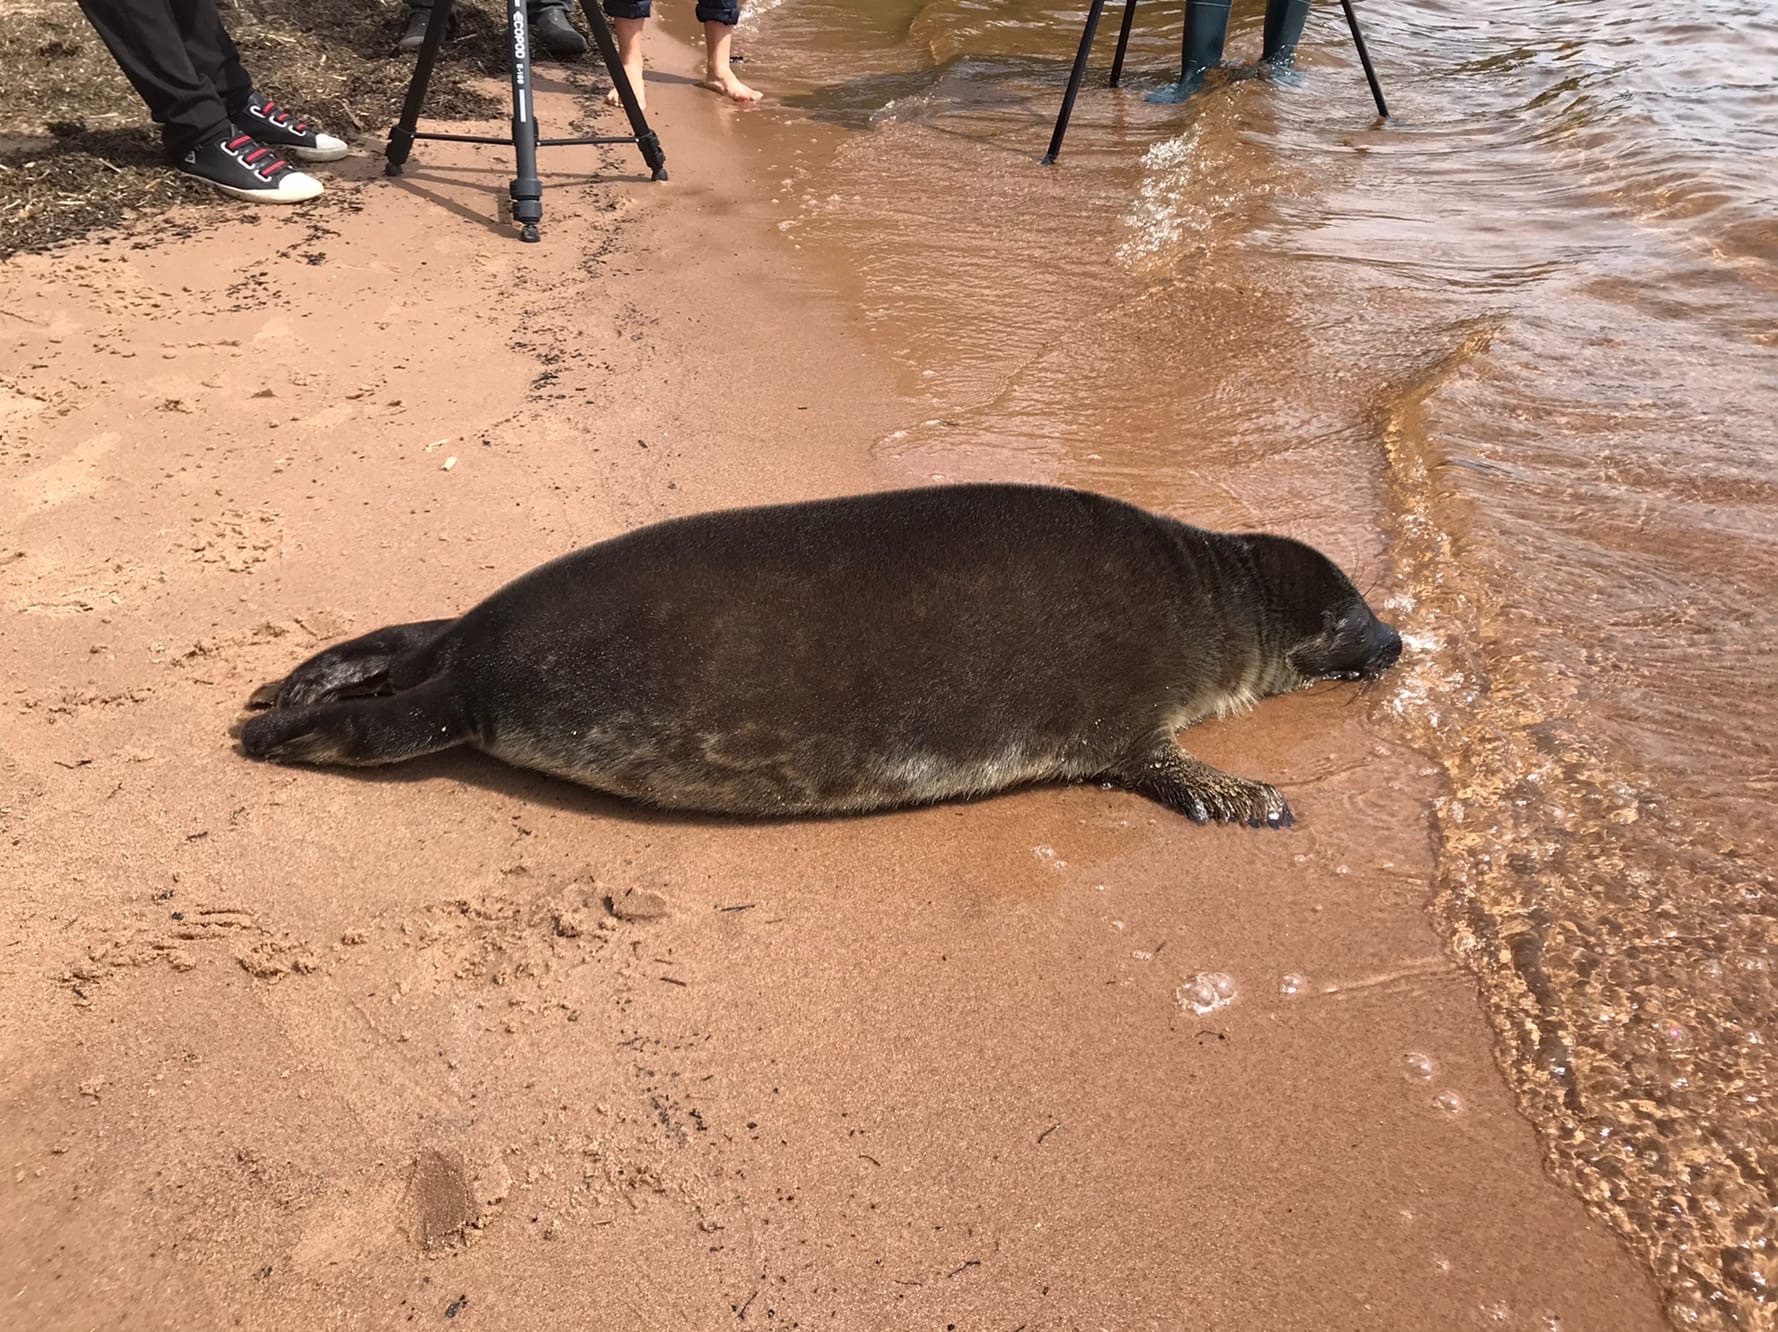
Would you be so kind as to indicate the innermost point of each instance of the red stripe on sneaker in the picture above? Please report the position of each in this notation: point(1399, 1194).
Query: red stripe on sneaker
point(234, 144)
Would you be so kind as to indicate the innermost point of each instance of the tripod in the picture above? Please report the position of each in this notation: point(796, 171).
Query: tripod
point(526, 189)
point(1206, 23)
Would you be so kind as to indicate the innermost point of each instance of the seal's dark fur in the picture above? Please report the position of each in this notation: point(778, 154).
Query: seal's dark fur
point(855, 654)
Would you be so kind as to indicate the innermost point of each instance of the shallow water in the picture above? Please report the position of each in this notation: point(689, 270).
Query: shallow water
point(1513, 358)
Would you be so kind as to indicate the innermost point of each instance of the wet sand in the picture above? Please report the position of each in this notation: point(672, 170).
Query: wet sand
point(455, 1042)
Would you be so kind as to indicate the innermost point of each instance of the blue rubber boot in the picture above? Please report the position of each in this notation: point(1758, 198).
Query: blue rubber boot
point(1206, 29)
point(1284, 29)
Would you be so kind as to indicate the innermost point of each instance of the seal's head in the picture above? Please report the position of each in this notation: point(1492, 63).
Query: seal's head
point(1335, 634)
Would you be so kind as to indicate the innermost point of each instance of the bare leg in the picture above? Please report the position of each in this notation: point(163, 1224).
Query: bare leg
point(629, 49)
point(718, 77)
point(360, 731)
point(1166, 773)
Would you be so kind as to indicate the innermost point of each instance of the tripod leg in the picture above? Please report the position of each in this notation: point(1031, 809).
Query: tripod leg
point(1123, 42)
point(1284, 29)
point(526, 188)
point(1364, 58)
point(1074, 78)
point(401, 137)
point(646, 139)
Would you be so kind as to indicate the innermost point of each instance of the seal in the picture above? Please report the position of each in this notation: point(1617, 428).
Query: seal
point(856, 654)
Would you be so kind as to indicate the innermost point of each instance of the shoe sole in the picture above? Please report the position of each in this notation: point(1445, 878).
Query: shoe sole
point(259, 196)
point(313, 154)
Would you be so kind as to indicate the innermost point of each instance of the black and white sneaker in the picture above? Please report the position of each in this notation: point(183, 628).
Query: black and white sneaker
point(277, 127)
point(239, 165)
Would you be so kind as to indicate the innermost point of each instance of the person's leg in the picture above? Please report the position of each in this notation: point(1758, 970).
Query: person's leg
point(551, 32)
point(148, 39)
point(1284, 29)
point(145, 39)
point(213, 54)
point(628, 19)
point(719, 18)
point(1206, 29)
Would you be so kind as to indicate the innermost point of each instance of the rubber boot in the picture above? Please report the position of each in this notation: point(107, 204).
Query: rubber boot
point(1284, 29)
point(1206, 29)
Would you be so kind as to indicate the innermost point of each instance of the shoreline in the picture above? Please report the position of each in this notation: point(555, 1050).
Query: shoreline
point(895, 1071)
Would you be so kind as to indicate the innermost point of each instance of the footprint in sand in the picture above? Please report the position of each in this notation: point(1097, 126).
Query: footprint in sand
point(72, 476)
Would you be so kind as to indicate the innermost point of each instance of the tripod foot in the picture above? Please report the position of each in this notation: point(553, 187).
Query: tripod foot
point(392, 168)
point(660, 173)
point(1049, 159)
point(529, 233)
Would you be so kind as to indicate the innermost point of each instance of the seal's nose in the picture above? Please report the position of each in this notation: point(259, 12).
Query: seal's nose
point(1386, 649)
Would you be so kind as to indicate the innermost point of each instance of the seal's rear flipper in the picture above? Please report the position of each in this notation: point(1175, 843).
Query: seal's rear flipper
point(355, 668)
point(362, 731)
point(1166, 773)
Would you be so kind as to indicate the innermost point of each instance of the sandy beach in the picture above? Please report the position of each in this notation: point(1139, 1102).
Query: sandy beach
point(456, 1045)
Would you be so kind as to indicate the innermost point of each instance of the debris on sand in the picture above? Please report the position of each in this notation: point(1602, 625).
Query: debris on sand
point(637, 904)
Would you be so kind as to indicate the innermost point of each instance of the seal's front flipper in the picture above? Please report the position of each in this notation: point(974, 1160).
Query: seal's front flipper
point(355, 668)
point(363, 731)
point(1166, 773)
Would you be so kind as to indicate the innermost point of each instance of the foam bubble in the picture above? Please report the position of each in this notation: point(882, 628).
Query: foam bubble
point(1293, 984)
point(1206, 992)
point(1419, 1066)
point(1449, 1102)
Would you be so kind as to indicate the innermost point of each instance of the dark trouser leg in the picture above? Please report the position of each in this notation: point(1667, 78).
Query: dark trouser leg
point(1284, 29)
point(213, 53)
point(726, 12)
point(147, 39)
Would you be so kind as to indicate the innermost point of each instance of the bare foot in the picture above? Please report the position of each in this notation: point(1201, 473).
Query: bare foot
point(612, 99)
point(724, 82)
point(629, 50)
